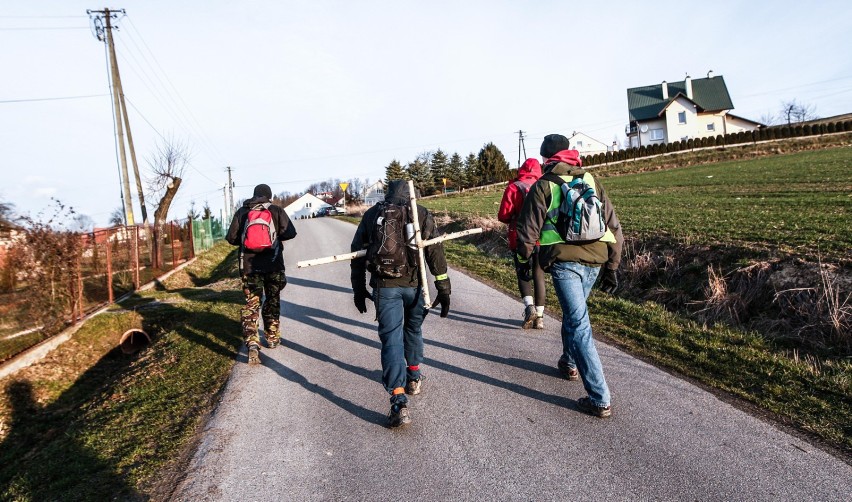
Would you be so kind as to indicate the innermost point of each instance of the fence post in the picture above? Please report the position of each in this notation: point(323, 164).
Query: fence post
point(172, 235)
point(109, 266)
point(191, 239)
point(136, 257)
point(80, 286)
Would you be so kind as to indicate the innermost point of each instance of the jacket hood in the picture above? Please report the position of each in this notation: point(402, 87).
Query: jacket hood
point(529, 169)
point(398, 192)
point(568, 156)
point(255, 201)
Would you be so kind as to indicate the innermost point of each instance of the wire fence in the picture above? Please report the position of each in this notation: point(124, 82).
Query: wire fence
point(90, 270)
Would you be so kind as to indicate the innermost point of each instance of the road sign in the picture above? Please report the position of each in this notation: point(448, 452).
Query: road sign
point(344, 186)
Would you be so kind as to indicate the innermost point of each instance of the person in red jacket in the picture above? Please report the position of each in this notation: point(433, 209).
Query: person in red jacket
point(530, 278)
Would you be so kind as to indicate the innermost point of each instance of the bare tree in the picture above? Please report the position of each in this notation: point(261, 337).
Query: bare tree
point(116, 217)
point(7, 214)
point(794, 112)
point(768, 118)
point(167, 166)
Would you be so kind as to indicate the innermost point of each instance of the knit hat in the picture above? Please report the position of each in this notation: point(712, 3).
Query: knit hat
point(553, 144)
point(263, 191)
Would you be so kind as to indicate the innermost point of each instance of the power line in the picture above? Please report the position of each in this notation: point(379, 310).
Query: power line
point(47, 28)
point(53, 99)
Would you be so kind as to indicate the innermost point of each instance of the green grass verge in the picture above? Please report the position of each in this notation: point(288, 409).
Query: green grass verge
point(810, 394)
point(90, 423)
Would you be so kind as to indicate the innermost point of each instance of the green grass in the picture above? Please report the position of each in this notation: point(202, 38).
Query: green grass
point(90, 423)
point(798, 203)
point(807, 393)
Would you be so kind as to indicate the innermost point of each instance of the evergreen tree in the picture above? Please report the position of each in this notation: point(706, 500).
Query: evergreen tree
point(394, 171)
point(493, 166)
point(455, 172)
point(418, 171)
point(438, 166)
point(471, 171)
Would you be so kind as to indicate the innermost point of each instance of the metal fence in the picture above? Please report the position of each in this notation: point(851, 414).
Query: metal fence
point(111, 262)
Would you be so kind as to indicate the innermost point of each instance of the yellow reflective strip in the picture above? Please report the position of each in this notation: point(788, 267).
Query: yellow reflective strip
point(441, 277)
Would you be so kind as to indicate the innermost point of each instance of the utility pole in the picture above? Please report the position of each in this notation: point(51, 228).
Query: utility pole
point(521, 145)
point(230, 191)
point(103, 29)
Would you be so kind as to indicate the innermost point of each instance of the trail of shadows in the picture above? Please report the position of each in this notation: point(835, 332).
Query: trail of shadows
point(308, 283)
point(370, 416)
point(523, 364)
point(315, 317)
point(372, 375)
point(45, 457)
point(491, 322)
point(308, 315)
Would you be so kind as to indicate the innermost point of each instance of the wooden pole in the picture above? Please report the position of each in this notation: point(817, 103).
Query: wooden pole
point(418, 240)
point(109, 266)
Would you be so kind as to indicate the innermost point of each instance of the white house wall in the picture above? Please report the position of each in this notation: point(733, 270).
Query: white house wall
point(586, 145)
point(736, 124)
point(645, 137)
point(675, 131)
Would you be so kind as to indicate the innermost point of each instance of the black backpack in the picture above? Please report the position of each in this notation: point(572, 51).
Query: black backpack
point(389, 254)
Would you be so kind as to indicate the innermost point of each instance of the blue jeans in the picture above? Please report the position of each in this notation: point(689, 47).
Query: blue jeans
point(400, 313)
point(573, 283)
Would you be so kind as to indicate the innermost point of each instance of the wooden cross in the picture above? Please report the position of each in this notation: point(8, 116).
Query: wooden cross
point(418, 241)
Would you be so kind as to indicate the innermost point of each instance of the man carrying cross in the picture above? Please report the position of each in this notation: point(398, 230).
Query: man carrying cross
point(396, 283)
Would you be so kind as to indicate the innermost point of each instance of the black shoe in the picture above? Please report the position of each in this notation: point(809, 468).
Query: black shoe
point(529, 317)
point(412, 388)
point(398, 416)
point(570, 373)
point(586, 404)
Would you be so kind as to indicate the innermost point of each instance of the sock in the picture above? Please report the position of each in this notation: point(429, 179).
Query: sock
point(528, 301)
point(539, 311)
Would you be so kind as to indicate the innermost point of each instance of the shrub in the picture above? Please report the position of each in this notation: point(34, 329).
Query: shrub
point(690, 143)
point(806, 130)
point(823, 129)
point(830, 127)
point(847, 126)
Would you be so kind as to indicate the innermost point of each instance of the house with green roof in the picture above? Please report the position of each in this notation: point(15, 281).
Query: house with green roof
point(674, 111)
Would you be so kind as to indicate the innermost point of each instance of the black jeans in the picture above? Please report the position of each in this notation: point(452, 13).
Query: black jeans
point(537, 284)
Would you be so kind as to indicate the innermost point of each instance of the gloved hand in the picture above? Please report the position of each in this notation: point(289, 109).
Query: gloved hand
point(609, 280)
point(361, 297)
point(443, 298)
point(524, 268)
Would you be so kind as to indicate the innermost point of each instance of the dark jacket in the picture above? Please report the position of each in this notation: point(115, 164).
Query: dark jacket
point(534, 212)
point(397, 193)
point(271, 260)
point(513, 198)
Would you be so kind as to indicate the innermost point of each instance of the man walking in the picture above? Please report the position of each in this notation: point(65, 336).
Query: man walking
point(530, 275)
point(575, 248)
point(259, 229)
point(386, 232)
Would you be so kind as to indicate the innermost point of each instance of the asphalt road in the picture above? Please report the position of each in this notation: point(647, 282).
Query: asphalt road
point(494, 422)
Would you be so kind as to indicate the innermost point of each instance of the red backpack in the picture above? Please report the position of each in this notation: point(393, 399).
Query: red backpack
point(259, 234)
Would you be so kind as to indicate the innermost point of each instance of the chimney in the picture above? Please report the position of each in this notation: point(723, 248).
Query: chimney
point(665, 90)
point(688, 84)
point(710, 74)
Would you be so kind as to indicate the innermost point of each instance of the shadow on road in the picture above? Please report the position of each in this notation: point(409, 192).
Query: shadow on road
point(491, 322)
point(307, 283)
point(317, 318)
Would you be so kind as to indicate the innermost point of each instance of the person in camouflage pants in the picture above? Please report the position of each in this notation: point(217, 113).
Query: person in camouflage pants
point(261, 270)
point(255, 286)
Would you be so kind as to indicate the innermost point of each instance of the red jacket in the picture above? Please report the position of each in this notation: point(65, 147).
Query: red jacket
point(513, 198)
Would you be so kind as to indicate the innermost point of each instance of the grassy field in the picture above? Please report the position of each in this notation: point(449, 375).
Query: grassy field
point(799, 203)
point(91, 423)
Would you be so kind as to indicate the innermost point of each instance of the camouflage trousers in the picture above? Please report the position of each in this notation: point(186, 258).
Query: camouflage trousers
point(265, 290)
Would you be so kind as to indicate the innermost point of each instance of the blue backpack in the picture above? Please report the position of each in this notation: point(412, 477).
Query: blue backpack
point(581, 219)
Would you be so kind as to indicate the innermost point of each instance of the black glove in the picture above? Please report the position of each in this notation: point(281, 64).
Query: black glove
point(609, 280)
point(443, 299)
point(524, 268)
point(361, 297)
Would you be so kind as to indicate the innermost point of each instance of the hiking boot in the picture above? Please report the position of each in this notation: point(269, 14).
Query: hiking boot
point(529, 317)
point(586, 404)
point(570, 373)
point(273, 343)
point(398, 415)
point(412, 388)
point(539, 322)
point(253, 354)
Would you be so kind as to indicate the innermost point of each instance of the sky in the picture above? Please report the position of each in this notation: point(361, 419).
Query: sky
point(290, 93)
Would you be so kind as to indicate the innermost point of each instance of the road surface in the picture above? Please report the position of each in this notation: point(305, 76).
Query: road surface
point(494, 422)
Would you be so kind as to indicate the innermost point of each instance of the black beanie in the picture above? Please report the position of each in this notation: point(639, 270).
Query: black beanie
point(553, 144)
point(263, 191)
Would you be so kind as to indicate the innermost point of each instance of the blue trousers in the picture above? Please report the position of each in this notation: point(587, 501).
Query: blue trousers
point(573, 282)
point(400, 313)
